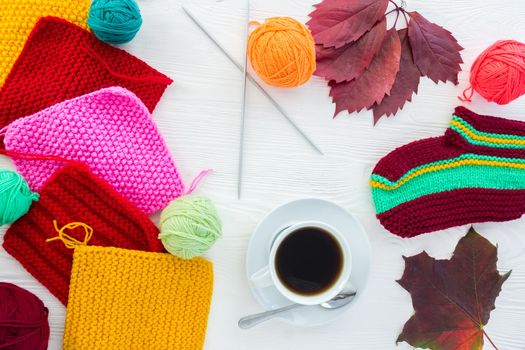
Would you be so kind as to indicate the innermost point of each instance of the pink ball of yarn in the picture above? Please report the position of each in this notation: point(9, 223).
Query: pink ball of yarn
point(498, 74)
point(23, 319)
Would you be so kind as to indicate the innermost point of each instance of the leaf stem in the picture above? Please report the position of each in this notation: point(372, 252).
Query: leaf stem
point(490, 340)
point(395, 4)
point(405, 15)
point(397, 9)
point(395, 22)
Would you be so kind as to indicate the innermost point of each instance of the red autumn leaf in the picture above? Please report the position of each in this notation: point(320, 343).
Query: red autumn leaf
point(349, 62)
point(435, 50)
point(334, 23)
point(406, 83)
point(452, 298)
point(374, 83)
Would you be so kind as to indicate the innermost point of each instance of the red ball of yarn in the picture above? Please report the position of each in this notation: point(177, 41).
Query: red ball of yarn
point(23, 319)
point(498, 74)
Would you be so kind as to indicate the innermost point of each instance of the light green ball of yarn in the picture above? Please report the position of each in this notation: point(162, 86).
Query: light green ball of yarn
point(15, 196)
point(114, 21)
point(189, 226)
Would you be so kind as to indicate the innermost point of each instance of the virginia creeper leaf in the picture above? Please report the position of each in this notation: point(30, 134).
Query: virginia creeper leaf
point(435, 50)
point(374, 83)
point(406, 83)
point(349, 62)
point(335, 23)
point(452, 298)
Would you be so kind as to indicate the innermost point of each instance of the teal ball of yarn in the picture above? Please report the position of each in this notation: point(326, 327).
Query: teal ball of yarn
point(114, 21)
point(189, 226)
point(15, 196)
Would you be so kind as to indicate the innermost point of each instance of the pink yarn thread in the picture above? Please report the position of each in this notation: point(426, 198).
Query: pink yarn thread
point(498, 74)
point(23, 319)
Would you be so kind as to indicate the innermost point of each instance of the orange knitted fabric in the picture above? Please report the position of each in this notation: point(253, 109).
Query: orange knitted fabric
point(130, 300)
point(18, 17)
point(74, 194)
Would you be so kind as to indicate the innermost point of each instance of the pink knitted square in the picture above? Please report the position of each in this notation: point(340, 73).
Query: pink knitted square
point(112, 131)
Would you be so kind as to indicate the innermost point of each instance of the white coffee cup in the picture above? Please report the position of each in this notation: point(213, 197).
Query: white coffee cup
point(267, 276)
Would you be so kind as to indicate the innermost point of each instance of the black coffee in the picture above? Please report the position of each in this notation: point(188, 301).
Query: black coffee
point(309, 261)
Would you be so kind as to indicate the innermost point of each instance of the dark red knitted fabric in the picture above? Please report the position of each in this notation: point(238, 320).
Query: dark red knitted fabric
point(74, 194)
point(414, 154)
point(453, 201)
point(443, 210)
point(61, 61)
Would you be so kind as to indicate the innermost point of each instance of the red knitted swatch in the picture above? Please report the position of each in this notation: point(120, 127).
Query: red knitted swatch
point(61, 61)
point(74, 194)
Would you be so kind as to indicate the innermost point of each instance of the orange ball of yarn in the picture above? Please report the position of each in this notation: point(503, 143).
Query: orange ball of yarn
point(282, 52)
point(498, 74)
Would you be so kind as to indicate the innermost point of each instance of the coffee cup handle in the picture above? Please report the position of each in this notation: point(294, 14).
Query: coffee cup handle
point(262, 278)
point(349, 288)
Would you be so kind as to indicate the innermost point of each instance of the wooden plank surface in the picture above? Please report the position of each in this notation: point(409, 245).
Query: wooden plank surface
point(199, 117)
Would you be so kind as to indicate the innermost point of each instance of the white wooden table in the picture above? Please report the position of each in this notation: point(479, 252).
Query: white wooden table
point(199, 117)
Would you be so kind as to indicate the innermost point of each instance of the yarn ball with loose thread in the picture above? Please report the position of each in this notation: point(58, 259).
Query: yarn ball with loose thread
point(15, 196)
point(498, 74)
point(23, 319)
point(114, 21)
point(282, 52)
point(189, 226)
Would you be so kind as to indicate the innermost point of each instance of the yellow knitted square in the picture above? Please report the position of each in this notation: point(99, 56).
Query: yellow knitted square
point(128, 299)
point(18, 17)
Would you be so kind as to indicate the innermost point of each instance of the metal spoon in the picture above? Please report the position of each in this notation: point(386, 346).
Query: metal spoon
point(336, 302)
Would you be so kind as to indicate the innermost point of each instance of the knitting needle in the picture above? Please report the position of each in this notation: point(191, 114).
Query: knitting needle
point(251, 79)
point(243, 112)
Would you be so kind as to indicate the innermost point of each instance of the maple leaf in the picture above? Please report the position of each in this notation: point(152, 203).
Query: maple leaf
point(452, 298)
point(435, 50)
point(406, 83)
point(335, 23)
point(349, 62)
point(375, 82)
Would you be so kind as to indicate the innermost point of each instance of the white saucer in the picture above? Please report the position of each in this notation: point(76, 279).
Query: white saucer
point(310, 209)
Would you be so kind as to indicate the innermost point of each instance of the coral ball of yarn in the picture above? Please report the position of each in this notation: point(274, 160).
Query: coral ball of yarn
point(23, 319)
point(189, 226)
point(498, 74)
point(114, 21)
point(282, 52)
point(15, 196)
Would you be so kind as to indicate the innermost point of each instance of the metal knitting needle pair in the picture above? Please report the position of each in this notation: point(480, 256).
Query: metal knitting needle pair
point(246, 76)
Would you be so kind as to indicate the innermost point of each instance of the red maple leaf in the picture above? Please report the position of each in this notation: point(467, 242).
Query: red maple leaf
point(334, 23)
point(406, 83)
point(452, 298)
point(375, 82)
point(349, 62)
point(435, 50)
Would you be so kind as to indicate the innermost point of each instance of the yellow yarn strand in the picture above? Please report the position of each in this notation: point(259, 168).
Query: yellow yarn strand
point(499, 140)
point(70, 241)
point(282, 52)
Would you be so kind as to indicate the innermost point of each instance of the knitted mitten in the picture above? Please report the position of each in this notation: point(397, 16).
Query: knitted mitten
point(475, 173)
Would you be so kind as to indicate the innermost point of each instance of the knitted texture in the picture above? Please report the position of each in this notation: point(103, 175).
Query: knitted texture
point(475, 173)
point(18, 17)
point(112, 131)
point(74, 194)
point(61, 61)
point(131, 300)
